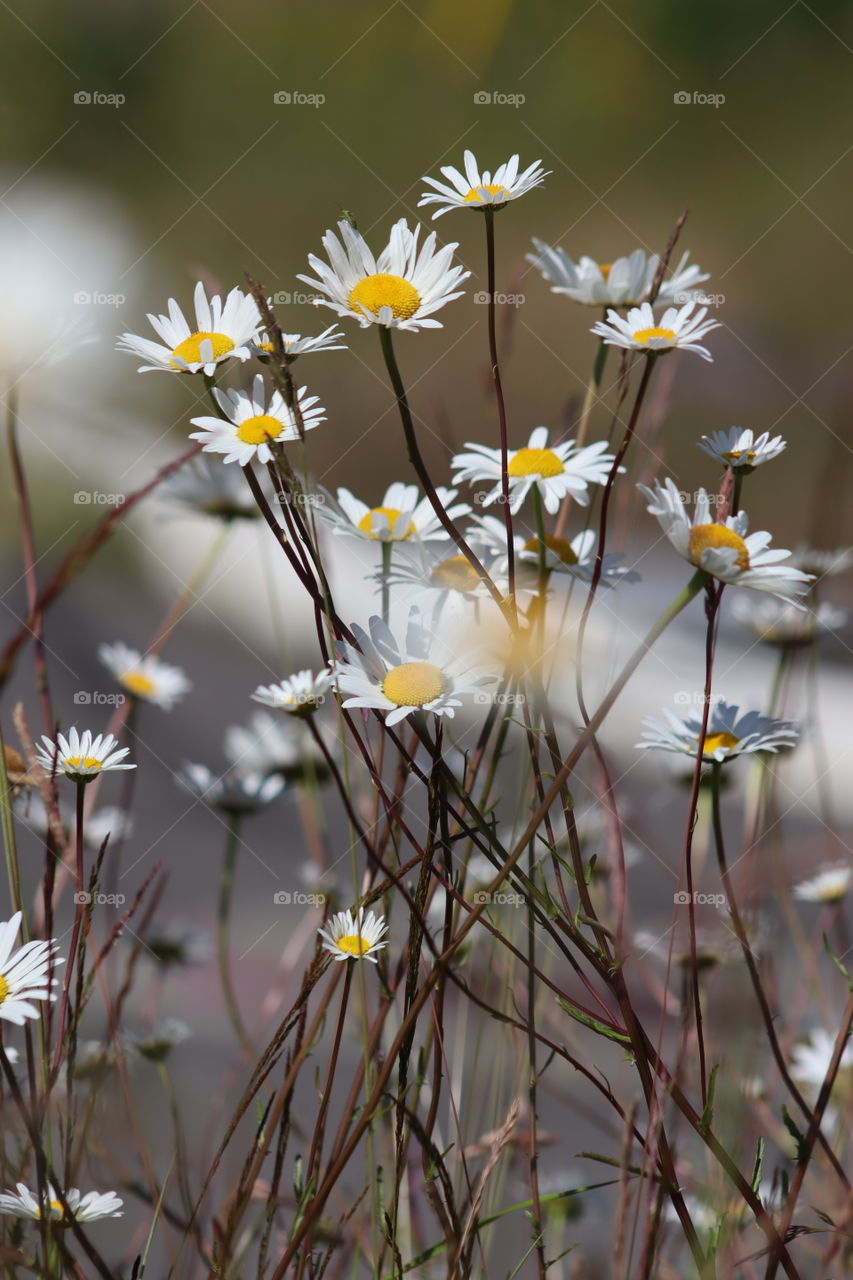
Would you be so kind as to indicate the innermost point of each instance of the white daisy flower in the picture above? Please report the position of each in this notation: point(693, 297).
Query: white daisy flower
point(87, 1208)
point(24, 975)
point(401, 515)
point(277, 745)
point(728, 734)
point(432, 570)
point(823, 564)
point(13, 1056)
point(295, 345)
point(254, 426)
point(110, 821)
point(157, 1043)
point(400, 289)
point(348, 937)
point(829, 885)
point(624, 282)
point(206, 488)
point(223, 332)
point(481, 190)
point(640, 331)
point(80, 756)
point(575, 557)
point(556, 472)
point(145, 678)
point(301, 694)
point(741, 450)
point(379, 675)
point(777, 622)
point(233, 792)
point(178, 944)
point(810, 1061)
point(723, 550)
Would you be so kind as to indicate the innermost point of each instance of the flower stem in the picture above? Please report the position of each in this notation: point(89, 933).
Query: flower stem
point(223, 933)
point(499, 395)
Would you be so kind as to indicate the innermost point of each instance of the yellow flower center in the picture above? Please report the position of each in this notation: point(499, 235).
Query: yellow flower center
point(190, 348)
point(135, 682)
point(714, 741)
point(560, 546)
point(535, 462)
point(414, 684)
point(260, 429)
point(353, 944)
point(474, 197)
point(56, 1208)
point(454, 574)
point(4, 988)
point(383, 290)
point(87, 762)
point(392, 515)
point(645, 336)
point(738, 455)
point(705, 536)
point(605, 268)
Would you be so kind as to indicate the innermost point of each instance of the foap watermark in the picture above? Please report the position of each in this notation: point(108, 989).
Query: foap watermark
point(284, 898)
point(683, 899)
point(295, 98)
point(500, 699)
point(95, 98)
point(482, 299)
point(284, 298)
point(95, 698)
point(497, 98)
point(685, 98)
point(301, 499)
point(695, 698)
point(503, 898)
point(95, 498)
point(85, 899)
point(83, 298)
point(701, 299)
point(486, 499)
point(691, 496)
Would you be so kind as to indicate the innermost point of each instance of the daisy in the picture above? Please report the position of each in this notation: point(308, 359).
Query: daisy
point(253, 426)
point(400, 289)
point(556, 472)
point(157, 1044)
point(379, 675)
point(108, 822)
point(575, 557)
point(476, 190)
point(432, 570)
point(300, 695)
point(728, 735)
point(741, 450)
point(295, 345)
point(723, 549)
point(776, 622)
point(178, 944)
point(87, 1208)
point(624, 282)
point(830, 885)
point(206, 488)
point(81, 757)
point(810, 1061)
point(640, 331)
point(24, 975)
point(222, 332)
point(823, 564)
point(402, 514)
point(233, 792)
point(274, 745)
point(145, 678)
point(349, 937)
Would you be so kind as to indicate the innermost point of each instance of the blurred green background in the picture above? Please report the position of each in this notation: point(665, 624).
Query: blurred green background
point(211, 176)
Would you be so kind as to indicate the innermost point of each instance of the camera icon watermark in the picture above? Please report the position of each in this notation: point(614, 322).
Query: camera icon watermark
point(284, 898)
point(83, 298)
point(684, 98)
point(483, 696)
point(502, 898)
point(95, 98)
point(695, 698)
point(95, 698)
point(482, 299)
point(683, 899)
point(84, 899)
point(295, 98)
point(288, 298)
point(94, 498)
point(301, 499)
point(496, 98)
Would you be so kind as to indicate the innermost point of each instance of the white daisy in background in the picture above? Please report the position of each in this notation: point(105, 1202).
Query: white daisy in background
point(239, 793)
point(829, 885)
point(776, 622)
point(109, 821)
point(740, 449)
point(823, 564)
point(84, 1208)
point(348, 937)
point(379, 675)
point(254, 425)
point(556, 472)
point(640, 331)
point(481, 190)
point(145, 678)
point(13, 1056)
point(624, 282)
point(401, 515)
point(274, 745)
point(728, 734)
point(24, 974)
point(177, 944)
point(81, 757)
point(224, 331)
point(432, 570)
point(295, 345)
point(300, 695)
point(575, 557)
point(206, 488)
point(723, 549)
point(810, 1061)
point(400, 289)
point(158, 1042)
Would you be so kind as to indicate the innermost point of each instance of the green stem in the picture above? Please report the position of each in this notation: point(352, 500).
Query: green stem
point(223, 933)
point(592, 390)
point(387, 548)
point(499, 396)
